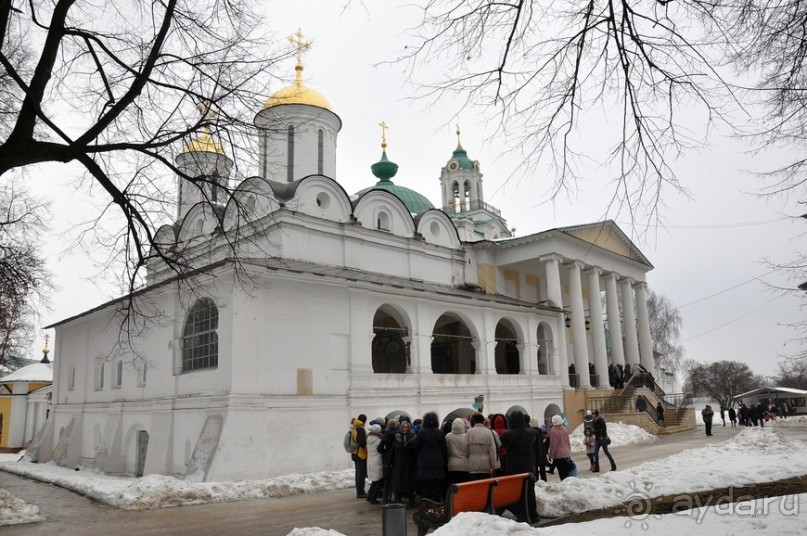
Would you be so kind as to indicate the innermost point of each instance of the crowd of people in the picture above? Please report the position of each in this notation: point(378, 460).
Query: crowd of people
point(405, 460)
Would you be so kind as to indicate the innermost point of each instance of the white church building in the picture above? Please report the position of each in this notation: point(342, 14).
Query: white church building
point(335, 304)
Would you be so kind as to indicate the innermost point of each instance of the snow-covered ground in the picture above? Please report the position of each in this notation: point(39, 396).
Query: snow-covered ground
point(718, 465)
point(621, 435)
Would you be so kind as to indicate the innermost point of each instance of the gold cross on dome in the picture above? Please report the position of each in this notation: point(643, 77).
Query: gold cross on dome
point(206, 108)
point(296, 39)
point(384, 128)
point(458, 135)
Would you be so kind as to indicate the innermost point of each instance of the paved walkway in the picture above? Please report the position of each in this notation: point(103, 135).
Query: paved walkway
point(68, 513)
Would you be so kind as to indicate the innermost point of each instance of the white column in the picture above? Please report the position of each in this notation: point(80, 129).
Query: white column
point(645, 339)
point(629, 322)
point(553, 289)
point(614, 320)
point(420, 353)
point(578, 324)
point(597, 328)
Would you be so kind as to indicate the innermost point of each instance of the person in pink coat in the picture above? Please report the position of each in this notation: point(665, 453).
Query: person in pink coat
point(560, 450)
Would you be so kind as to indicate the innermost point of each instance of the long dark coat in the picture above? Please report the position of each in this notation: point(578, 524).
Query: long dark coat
point(431, 453)
point(402, 459)
point(522, 443)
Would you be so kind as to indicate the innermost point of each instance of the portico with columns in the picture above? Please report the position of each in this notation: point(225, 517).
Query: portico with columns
point(585, 262)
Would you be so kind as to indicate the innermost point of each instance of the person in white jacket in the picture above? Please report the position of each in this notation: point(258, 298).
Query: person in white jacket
point(482, 458)
point(375, 463)
point(457, 443)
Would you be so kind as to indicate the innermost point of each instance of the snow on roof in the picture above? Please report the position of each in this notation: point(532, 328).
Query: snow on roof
point(766, 390)
point(38, 372)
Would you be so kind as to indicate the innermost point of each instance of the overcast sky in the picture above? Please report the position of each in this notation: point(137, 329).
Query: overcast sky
point(712, 242)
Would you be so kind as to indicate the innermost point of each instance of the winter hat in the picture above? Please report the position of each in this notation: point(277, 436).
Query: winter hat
point(588, 412)
point(596, 412)
point(557, 420)
point(375, 428)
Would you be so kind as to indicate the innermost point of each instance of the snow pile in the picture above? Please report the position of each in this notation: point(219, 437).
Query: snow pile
point(621, 435)
point(714, 466)
point(6, 457)
point(797, 421)
point(159, 491)
point(777, 515)
point(14, 511)
point(478, 524)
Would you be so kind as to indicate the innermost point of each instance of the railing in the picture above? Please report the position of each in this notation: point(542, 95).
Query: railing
point(463, 206)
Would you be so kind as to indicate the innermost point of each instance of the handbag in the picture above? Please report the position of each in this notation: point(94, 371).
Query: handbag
point(606, 441)
point(572, 467)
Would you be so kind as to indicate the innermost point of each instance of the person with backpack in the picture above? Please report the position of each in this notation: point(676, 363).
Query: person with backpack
point(359, 454)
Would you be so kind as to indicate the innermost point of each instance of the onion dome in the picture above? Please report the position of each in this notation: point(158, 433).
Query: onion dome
point(298, 92)
point(204, 144)
point(385, 169)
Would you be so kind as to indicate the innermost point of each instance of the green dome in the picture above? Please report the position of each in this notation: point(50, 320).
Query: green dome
point(461, 155)
point(414, 202)
point(384, 169)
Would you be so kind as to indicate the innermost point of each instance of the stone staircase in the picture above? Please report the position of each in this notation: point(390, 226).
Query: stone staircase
point(636, 404)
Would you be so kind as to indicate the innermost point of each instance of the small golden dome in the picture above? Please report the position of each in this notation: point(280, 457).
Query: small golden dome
point(298, 93)
point(204, 144)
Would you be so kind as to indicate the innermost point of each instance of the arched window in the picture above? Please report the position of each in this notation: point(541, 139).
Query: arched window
point(382, 221)
point(290, 155)
point(507, 355)
point(320, 150)
point(389, 350)
point(466, 201)
point(455, 197)
point(200, 342)
point(452, 350)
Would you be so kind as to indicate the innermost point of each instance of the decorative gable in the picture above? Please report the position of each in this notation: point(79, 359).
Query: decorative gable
point(607, 235)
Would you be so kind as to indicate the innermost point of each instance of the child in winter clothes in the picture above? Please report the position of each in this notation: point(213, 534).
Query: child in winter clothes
point(588, 441)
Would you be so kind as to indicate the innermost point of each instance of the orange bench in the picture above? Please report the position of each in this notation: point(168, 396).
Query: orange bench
point(511, 491)
point(488, 495)
point(472, 496)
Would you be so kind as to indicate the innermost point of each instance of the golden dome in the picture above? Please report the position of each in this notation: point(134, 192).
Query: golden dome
point(204, 144)
point(298, 93)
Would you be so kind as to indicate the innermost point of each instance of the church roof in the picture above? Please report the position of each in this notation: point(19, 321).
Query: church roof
point(385, 169)
point(38, 372)
point(461, 155)
point(298, 92)
point(205, 143)
point(414, 202)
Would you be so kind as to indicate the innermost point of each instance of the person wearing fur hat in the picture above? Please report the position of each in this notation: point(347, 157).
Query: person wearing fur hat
point(403, 463)
point(560, 450)
point(375, 463)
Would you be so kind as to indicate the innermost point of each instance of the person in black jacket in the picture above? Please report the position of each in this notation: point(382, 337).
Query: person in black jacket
point(403, 464)
point(600, 440)
point(385, 448)
point(431, 455)
point(522, 456)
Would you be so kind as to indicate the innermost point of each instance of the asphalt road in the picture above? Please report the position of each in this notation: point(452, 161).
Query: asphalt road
point(67, 513)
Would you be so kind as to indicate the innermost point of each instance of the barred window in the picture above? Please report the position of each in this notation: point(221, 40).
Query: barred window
point(200, 342)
